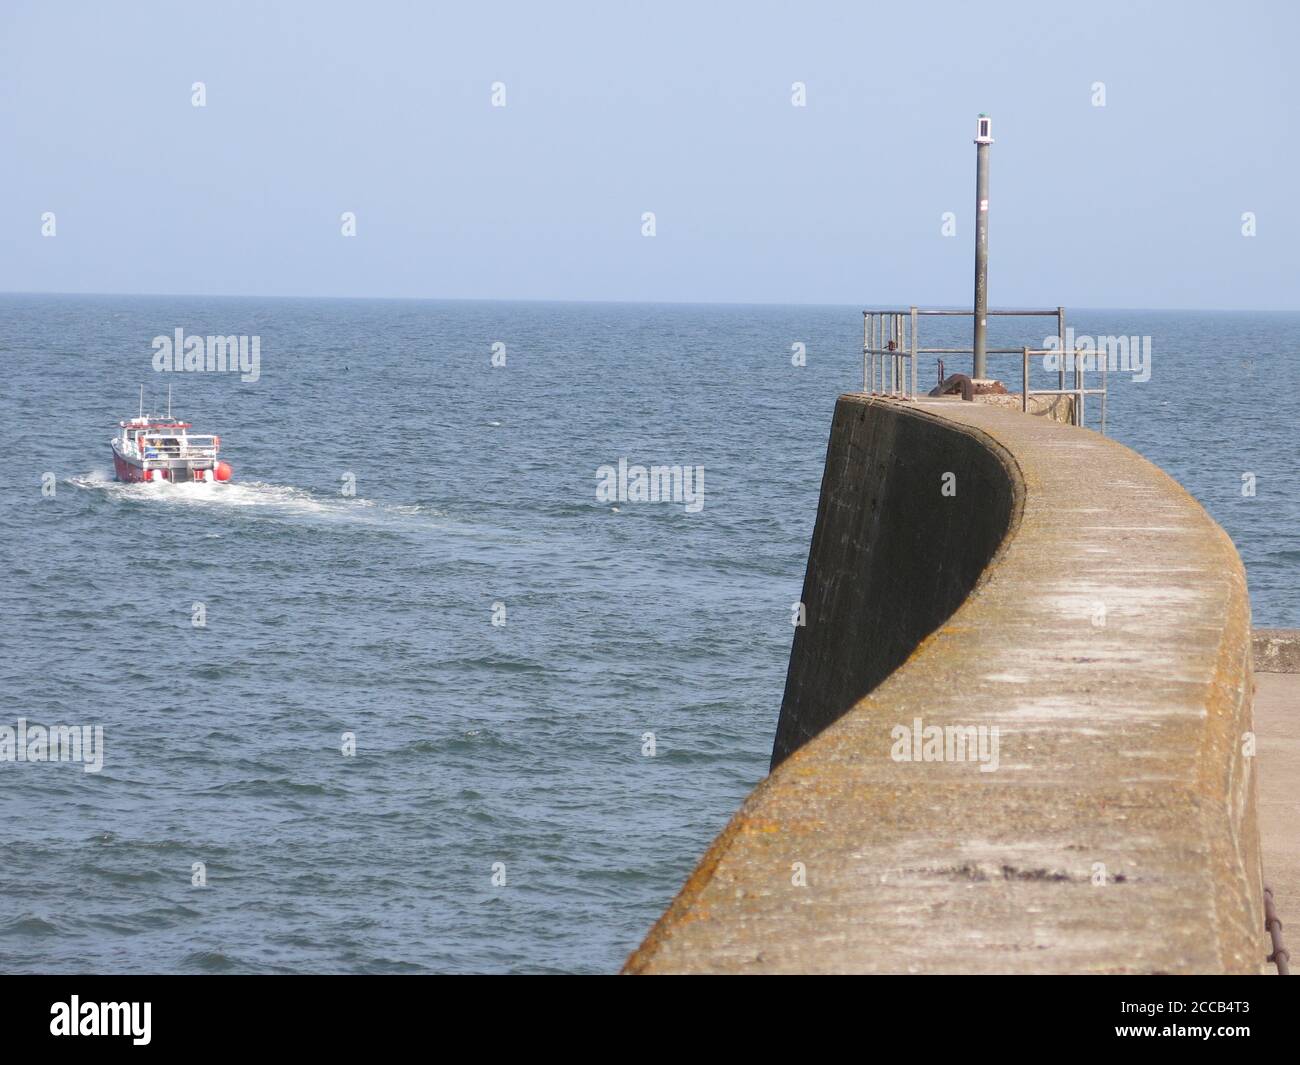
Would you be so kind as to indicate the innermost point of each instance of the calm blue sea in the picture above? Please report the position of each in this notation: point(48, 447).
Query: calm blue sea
point(515, 750)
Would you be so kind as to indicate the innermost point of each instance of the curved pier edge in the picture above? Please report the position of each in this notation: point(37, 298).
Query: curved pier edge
point(1101, 649)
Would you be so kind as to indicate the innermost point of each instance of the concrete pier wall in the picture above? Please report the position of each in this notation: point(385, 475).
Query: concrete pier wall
point(1013, 732)
point(888, 563)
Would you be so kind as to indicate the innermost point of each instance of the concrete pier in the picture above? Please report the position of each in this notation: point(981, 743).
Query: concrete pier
point(1074, 630)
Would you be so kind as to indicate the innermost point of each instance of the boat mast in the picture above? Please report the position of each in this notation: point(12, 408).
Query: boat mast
point(169, 402)
point(142, 401)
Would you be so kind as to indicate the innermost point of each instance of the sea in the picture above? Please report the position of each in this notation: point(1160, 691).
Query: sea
point(419, 690)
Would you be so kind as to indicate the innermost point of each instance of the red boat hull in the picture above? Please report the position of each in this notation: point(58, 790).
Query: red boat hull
point(127, 471)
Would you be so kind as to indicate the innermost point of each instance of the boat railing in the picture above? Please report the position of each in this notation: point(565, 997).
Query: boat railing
point(188, 448)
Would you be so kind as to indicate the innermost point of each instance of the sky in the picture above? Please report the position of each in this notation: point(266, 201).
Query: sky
point(686, 111)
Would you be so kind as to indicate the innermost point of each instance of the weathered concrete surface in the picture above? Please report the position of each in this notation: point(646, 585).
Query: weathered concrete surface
point(1277, 726)
point(1277, 650)
point(1108, 641)
point(1058, 408)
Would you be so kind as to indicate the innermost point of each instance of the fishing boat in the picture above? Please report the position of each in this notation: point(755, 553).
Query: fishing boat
point(161, 448)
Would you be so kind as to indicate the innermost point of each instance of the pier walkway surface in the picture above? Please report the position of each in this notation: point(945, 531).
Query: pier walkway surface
point(1277, 724)
point(1075, 629)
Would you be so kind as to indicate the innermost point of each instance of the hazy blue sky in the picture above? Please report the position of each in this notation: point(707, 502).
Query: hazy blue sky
point(685, 110)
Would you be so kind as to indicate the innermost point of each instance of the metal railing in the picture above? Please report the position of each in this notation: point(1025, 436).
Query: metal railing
point(890, 348)
point(188, 448)
point(886, 349)
point(1081, 356)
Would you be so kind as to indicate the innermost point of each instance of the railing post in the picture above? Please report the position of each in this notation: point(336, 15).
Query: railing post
point(894, 330)
point(902, 353)
point(900, 384)
point(1060, 347)
point(914, 346)
point(1078, 384)
point(866, 347)
point(1024, 383)
point(877, 370)
point(882, 344)
point(897, 338)
point(874, 346)
point(886, 328)
point(871, 343)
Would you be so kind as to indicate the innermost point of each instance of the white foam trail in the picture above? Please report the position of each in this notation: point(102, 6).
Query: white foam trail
point(275, 499)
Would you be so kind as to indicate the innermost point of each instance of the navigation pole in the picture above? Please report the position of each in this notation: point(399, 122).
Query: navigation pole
point(982, 141)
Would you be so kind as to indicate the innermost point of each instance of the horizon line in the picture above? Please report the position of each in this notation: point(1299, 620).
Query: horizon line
point(629, 302)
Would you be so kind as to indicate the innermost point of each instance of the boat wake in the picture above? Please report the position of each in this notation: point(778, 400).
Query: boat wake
point(271, 500)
